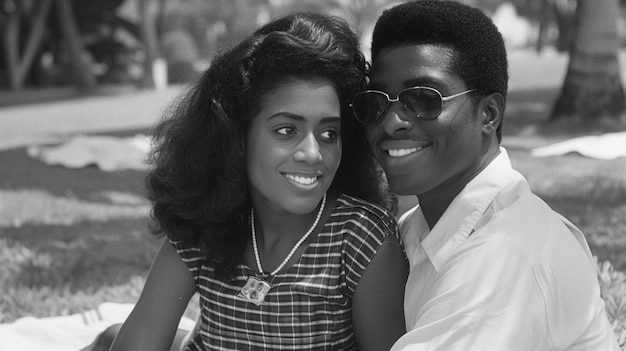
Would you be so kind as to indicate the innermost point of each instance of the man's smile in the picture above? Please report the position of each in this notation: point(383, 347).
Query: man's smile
point(401, 148)
point(402, 152)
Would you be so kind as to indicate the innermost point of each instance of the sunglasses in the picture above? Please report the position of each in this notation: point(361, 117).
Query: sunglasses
point(425, 102)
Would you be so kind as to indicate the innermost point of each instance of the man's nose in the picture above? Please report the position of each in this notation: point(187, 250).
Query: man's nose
point(396, 119)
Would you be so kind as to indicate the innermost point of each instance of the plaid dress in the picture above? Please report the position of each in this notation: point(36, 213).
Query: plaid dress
point(309, 304)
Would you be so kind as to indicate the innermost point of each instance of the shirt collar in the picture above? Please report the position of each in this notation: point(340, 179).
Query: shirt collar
point(460, 218)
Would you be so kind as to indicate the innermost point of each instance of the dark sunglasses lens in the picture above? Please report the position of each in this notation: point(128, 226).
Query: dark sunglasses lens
point(369, 106)
point(425, 103)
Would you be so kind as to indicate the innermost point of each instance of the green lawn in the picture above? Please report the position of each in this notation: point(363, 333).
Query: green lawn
point(71, 239)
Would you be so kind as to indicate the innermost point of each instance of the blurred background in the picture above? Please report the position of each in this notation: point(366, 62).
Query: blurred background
point(88, 44)
point(82, 82)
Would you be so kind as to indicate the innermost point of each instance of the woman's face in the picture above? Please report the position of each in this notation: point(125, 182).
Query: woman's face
point(294, 146)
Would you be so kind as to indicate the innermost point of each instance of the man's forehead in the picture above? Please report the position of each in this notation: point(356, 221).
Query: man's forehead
point(410, 65)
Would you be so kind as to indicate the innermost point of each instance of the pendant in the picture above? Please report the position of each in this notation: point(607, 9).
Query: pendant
point(254, 291)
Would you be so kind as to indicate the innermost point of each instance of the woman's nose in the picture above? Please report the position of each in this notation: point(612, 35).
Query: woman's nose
point(308, 150)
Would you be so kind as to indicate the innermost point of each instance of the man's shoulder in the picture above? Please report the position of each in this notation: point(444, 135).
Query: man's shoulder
point(528, 223)
point(517, 209)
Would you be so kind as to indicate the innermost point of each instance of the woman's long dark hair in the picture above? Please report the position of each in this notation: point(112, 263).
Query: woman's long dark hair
point(198, 186)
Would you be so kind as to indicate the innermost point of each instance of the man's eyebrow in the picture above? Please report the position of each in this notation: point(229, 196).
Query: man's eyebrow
point(374, 86)
point(426, 81)
point(420, 81)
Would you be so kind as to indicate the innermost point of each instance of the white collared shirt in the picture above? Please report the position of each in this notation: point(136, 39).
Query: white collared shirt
point(500, 271)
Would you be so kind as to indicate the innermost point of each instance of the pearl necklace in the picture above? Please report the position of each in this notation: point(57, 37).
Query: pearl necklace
point(293, 251)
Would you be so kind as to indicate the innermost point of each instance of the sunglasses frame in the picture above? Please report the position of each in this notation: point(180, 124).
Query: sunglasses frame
point(397, 99)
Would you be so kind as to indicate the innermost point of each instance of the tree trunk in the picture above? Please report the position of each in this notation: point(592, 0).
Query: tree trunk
point(84, 78)
point(543, 24)
point(148, 16)
point(19, 64)
point(593, 88)
point(563, 11)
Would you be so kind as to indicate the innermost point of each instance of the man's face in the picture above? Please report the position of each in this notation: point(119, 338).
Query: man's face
point(424, 156)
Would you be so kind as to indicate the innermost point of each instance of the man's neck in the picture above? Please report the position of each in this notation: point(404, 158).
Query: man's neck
point(435, 202)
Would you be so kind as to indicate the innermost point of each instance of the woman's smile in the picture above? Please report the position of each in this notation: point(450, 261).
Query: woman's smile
point(302, 179)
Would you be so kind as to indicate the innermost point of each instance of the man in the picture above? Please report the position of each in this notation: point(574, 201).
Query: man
point(492, 266)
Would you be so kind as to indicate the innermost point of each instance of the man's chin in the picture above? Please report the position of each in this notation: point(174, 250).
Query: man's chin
point(401, 185)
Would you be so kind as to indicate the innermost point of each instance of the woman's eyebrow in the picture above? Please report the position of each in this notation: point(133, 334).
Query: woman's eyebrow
point(329, 119)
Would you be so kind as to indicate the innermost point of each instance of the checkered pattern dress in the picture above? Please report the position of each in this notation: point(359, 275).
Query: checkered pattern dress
point(309, 304)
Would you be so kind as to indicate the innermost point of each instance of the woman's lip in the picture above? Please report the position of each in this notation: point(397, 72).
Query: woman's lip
point(302, 178)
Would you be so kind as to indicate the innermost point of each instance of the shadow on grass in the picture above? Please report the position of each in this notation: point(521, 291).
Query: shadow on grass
point(22, 172)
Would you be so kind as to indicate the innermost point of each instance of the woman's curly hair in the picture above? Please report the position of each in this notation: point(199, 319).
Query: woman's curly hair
point(198, 185)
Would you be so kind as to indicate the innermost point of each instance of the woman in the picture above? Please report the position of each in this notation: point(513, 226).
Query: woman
point(272, 205)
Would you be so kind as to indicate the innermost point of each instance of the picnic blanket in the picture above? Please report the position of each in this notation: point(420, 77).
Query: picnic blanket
point(108, 153)
point(605, 147)
point(66, 333)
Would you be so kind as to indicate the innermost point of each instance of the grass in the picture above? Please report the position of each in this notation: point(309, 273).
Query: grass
point(71, 239)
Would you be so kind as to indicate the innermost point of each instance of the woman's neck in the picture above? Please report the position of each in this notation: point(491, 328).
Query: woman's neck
point(274, 227)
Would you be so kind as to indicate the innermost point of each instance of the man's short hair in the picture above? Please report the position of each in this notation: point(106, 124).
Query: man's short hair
point(481, 55)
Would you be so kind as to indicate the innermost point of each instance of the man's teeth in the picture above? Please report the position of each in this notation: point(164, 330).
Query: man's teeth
point(401, 152)
point(302, 180)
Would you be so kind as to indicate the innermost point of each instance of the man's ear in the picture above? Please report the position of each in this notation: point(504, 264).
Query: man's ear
point(491, 111)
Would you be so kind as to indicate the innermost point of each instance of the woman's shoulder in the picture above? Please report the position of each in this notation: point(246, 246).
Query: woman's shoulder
point(363, 228)
point(356, 211)
point(353, 205)
point(186, 250)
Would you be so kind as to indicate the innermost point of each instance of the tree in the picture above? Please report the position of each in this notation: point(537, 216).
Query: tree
point(84, 79)
point(547, 14)
point(18, 61)
point(149, 9)
point(360, 14)
point(111, 41)
point(593, 88)
point(563, 12)
point(21, 50)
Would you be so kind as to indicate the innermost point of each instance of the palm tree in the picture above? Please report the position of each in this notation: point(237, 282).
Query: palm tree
point(593, 88)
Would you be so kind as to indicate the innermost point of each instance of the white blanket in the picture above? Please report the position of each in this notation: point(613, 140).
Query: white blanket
point(605, 147)
point(66, 333)
point(106, 152)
